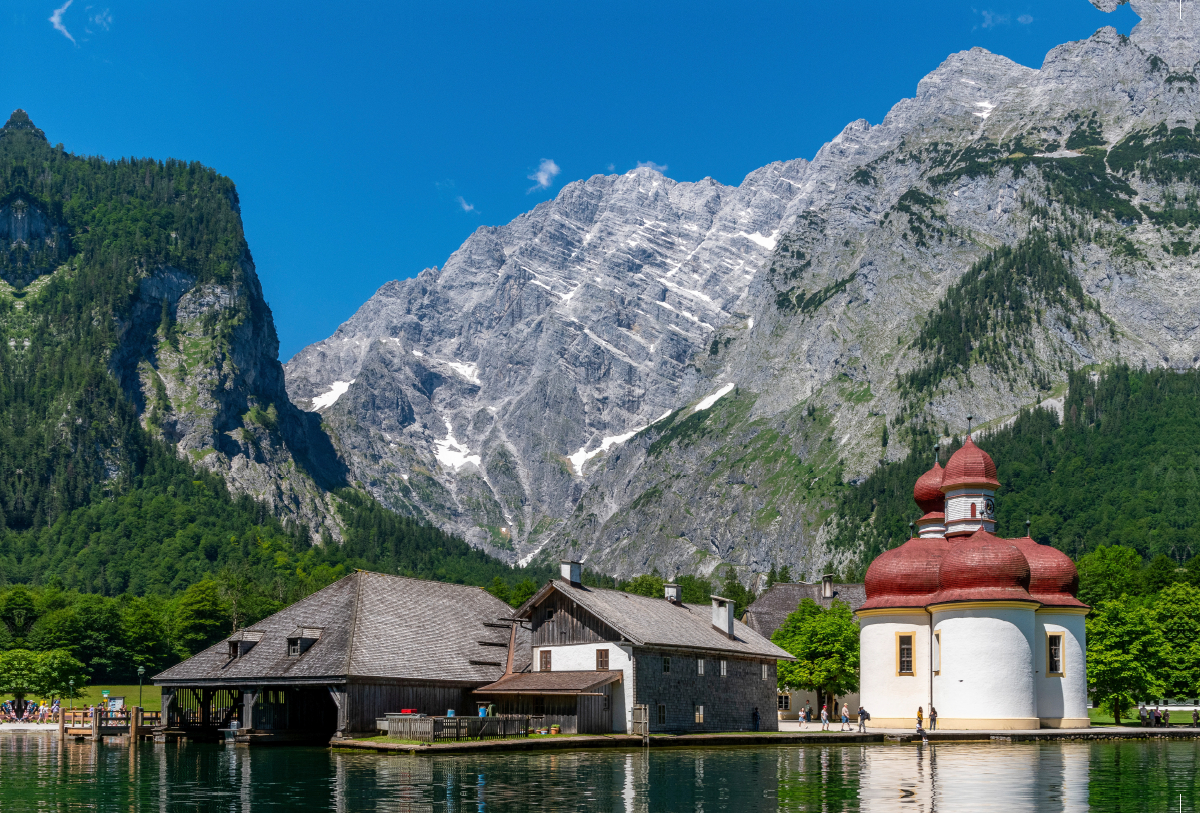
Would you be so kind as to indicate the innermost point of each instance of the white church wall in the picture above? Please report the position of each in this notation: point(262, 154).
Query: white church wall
point(892, 699)
point(1062, 701)
point(986, 679)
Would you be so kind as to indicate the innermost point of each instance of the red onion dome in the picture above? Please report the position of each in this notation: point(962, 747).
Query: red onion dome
point(983, 567)
point(928, 490)
point(969, 466)
point(906, 576)
point(1053, 579)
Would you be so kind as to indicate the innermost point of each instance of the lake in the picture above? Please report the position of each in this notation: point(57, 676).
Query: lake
point(40, 773)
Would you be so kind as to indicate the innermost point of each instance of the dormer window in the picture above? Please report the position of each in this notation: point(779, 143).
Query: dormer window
point(242, 642)
point(301, 640)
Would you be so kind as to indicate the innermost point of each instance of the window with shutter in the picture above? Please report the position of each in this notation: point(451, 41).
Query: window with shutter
point(545, 661)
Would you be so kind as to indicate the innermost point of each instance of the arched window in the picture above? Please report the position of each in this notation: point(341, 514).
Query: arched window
point(972, 510)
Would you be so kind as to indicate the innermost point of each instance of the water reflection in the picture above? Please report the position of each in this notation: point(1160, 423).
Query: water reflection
point(39, 773)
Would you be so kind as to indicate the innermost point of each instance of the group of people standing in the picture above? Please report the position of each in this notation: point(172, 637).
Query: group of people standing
point(1161, 718)
point(806, 716)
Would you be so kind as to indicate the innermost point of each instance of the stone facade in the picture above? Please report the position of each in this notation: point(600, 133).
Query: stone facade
point(729, 700)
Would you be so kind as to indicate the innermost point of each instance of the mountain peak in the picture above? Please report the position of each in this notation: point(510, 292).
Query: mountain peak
point(20, 121)
point(1168, 28)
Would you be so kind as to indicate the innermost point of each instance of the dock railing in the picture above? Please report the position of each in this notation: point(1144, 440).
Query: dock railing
point(454, 729)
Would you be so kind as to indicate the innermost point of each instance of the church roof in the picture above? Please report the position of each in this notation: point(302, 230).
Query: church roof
point(969, 466)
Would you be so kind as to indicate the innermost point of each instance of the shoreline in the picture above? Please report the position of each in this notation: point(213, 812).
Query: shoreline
point(590, 741)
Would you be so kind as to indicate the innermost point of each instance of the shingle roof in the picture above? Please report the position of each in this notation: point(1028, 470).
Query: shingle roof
point(769, 610)
point(550, 683)
point(657, 622)
point(373, 625)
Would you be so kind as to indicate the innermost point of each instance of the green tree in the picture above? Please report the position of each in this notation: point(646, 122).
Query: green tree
point(56, 670)
point(1107, 573)
point(825, 645)
point(734, 590)
point(695, 589)
point(144, 635)
point(499, 589)
point(200, 618)
point(1175, 615)
point(648, 584)
point(19, 675)
point(1124, 661)
point(524, 591)
point(18, 611)
point(1159, 574)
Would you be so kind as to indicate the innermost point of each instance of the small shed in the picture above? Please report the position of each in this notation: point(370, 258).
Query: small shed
point(336, 661)
point(577, 702)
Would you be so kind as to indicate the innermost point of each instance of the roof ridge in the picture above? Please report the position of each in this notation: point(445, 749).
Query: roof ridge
point(354, 620)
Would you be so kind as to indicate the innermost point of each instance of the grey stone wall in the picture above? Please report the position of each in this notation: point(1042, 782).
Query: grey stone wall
point(728, 701)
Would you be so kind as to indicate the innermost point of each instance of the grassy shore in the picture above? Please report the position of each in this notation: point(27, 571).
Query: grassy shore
point(151, 696)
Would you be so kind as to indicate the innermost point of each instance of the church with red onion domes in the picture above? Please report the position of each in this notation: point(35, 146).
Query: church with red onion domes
point(987, 630)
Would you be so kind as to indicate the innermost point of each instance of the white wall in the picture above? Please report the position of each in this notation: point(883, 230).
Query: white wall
point(1062, 697)
point(885, 695)
point(582, 658)
point(987, 664)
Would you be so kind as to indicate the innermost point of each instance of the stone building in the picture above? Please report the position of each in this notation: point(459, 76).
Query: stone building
point(987, 630)
point(692, 667)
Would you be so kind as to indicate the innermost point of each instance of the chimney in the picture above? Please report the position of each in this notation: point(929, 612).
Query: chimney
point(570, 572)
point(722, 615)
point(827, 586)
point(674, 593)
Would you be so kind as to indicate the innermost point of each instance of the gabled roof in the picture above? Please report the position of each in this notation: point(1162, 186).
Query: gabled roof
point(371, 626)
point(771, 609)
point(656, 622)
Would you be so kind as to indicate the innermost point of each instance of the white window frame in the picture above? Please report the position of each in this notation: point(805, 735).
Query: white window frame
point(724, 668)
point(700, 666)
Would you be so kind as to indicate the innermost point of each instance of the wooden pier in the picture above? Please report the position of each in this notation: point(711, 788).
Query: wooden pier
point(95, 724)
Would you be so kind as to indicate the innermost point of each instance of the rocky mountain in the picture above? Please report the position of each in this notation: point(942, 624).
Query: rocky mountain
point(645, 373)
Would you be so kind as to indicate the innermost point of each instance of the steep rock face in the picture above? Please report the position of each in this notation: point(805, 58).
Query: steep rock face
point(206, 378)
point(1001, 226)
point(468, 389)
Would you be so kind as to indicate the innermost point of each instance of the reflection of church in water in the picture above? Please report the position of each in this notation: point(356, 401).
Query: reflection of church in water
point(987, 630)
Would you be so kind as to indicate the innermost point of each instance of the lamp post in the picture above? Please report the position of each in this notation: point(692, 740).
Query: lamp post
point(141, 671)
point(72, 684)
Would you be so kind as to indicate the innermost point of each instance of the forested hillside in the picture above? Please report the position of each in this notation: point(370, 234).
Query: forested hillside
point(113, 545)
point(1119, 469)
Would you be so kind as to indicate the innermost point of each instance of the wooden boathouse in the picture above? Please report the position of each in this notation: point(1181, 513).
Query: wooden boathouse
point(333, 663)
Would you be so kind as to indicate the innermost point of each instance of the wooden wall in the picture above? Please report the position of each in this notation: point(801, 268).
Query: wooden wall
point(368, 702)
point(558, 620)
point(584, 714)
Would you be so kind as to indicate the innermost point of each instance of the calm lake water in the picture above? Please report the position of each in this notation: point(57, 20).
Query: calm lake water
point(38, 773)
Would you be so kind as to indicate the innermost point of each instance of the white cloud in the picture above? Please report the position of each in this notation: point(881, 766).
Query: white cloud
point(652, 165)
point(466, 207)
point(1025, 19)
point(544, 175)
point(612, 167)
point(991, 19)
point(102, 20)
point(56, 20)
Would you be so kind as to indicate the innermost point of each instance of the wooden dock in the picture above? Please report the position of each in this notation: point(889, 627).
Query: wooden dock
point(96, 724)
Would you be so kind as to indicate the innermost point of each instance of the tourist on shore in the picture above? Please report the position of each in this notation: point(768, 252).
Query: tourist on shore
point(863, 716)
point(932, 718)
point(1156, 717)
point(812, 715)
point(1195, 718)
point(920, 718)
point(824, 717)
point(1143, 715)
point(1166, 718)
point(845, 718)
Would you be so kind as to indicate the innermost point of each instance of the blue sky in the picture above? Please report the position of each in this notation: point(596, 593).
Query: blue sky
point(369, 140)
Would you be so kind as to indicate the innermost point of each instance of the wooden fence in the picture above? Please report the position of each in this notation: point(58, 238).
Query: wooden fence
point(105, 723)
point(454, 729)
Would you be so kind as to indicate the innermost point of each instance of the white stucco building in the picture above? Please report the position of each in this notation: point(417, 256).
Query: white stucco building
point(987, 630)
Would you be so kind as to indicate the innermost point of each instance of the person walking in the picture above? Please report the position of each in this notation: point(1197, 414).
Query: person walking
point(1142, 715)
point(1195, 718)
point(1155, 717)
point(863, 716)
point(1166, 718)
point(932, 718)
point(845, 718)
point(920, 718)
point(824, 717)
